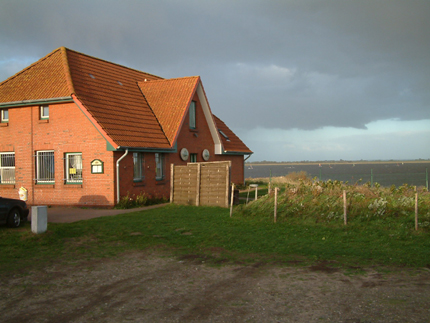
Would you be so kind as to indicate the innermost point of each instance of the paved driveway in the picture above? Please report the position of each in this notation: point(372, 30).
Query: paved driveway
point(73, 214)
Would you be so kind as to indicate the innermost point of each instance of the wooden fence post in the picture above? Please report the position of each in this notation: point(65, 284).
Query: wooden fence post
point(172, 181)
point(345, 219)
point(416, 211)
point(232, 198)
point(276, 204)
point(199, 179)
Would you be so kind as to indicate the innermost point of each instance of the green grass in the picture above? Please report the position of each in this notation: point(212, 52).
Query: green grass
point(209, 234)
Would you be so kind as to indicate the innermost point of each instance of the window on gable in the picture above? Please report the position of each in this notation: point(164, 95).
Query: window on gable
point(45, 167)
point(192, 115)
point(138, 167)
point(44, 112)
point(5, 115)
point(193, 158)
point(224, 135)
point(159, 166)
point(73, 168)
point(7, 168)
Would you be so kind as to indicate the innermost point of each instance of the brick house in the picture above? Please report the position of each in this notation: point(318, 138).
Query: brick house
point(78, 130)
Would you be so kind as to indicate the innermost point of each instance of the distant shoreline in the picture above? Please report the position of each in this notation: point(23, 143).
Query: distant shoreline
point(338, 162)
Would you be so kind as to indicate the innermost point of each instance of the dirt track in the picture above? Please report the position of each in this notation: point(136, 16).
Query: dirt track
point(138, 287)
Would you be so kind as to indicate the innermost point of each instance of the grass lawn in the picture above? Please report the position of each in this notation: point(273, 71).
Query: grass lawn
point(210, 234)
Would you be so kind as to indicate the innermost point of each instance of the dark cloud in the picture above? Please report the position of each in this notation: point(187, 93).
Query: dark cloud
point(274, 64)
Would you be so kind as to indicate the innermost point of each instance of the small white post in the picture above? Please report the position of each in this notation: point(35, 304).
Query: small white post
point(232, 198)
point(39, 219)
point(256, 190)
point(276, 204)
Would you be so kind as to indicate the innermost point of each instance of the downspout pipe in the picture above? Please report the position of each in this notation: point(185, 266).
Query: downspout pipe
point(244, 161)
point(117, 175)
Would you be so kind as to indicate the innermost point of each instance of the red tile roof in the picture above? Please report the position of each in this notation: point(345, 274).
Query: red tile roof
point(46, 78)
point(170, 99)
point(111, 95)
point(135, 109)
point(231, 144)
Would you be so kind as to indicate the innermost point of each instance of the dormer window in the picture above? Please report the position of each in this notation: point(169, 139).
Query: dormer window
point(5, 115)
point(192, 115)
point(44, 112)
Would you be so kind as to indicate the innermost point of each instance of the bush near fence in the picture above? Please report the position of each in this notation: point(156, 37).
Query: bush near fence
point(310, 200)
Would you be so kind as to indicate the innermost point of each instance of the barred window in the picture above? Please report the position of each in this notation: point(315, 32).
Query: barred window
point(73, 168)
point(159, 166)
point(138, 167)
point(45, 167)
point(7, 168)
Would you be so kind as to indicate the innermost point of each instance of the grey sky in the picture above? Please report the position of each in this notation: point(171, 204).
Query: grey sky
point(291, 69)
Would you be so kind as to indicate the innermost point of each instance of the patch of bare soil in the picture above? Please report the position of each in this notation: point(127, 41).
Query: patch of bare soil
point(141, 287)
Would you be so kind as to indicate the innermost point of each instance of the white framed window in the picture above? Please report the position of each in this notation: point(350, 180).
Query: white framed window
point(7, 168)
point(138, 167)
point(97, 167)
point(45, 167)
point(193, 158)
point(44, 112)
point(4, 115)
point(73, 168)
point(159, 166)
point(192, 112)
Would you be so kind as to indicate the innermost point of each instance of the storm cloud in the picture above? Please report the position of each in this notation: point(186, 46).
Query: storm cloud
point(274, 65)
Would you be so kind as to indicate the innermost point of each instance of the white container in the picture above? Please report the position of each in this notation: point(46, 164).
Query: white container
point(39, 219)
point(23, 194)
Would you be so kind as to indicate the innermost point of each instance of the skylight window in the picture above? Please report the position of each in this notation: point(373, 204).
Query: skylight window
point(224, 135)
point(119, 82)
point(92, 76)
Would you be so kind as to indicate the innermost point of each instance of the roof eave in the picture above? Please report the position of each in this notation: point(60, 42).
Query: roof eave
point(36, 102)
point(174, 149)
point(236, 153)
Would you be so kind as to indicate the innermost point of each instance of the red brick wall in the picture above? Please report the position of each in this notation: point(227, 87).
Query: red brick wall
point(67, 130)
point(200, 139)
point(149, 185)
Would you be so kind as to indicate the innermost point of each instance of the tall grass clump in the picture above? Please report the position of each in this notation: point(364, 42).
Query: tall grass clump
point(303, 199)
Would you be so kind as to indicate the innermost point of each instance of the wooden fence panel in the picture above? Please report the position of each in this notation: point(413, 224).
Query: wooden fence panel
point(184, 182)
point(201, 184)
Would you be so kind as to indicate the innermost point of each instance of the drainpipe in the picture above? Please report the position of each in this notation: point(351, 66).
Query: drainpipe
point(117, 175)
point(244, 160)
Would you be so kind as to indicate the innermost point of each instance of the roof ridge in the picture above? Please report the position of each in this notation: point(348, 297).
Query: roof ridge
point(30, 66)
point(67, 69)
point(172, 79)
point(111, 63)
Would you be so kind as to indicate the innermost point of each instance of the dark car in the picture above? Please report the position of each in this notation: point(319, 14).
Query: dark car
point(13, 212)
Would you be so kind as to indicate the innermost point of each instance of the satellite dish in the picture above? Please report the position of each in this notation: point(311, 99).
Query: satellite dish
point(184, 154)
point(206, 154)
